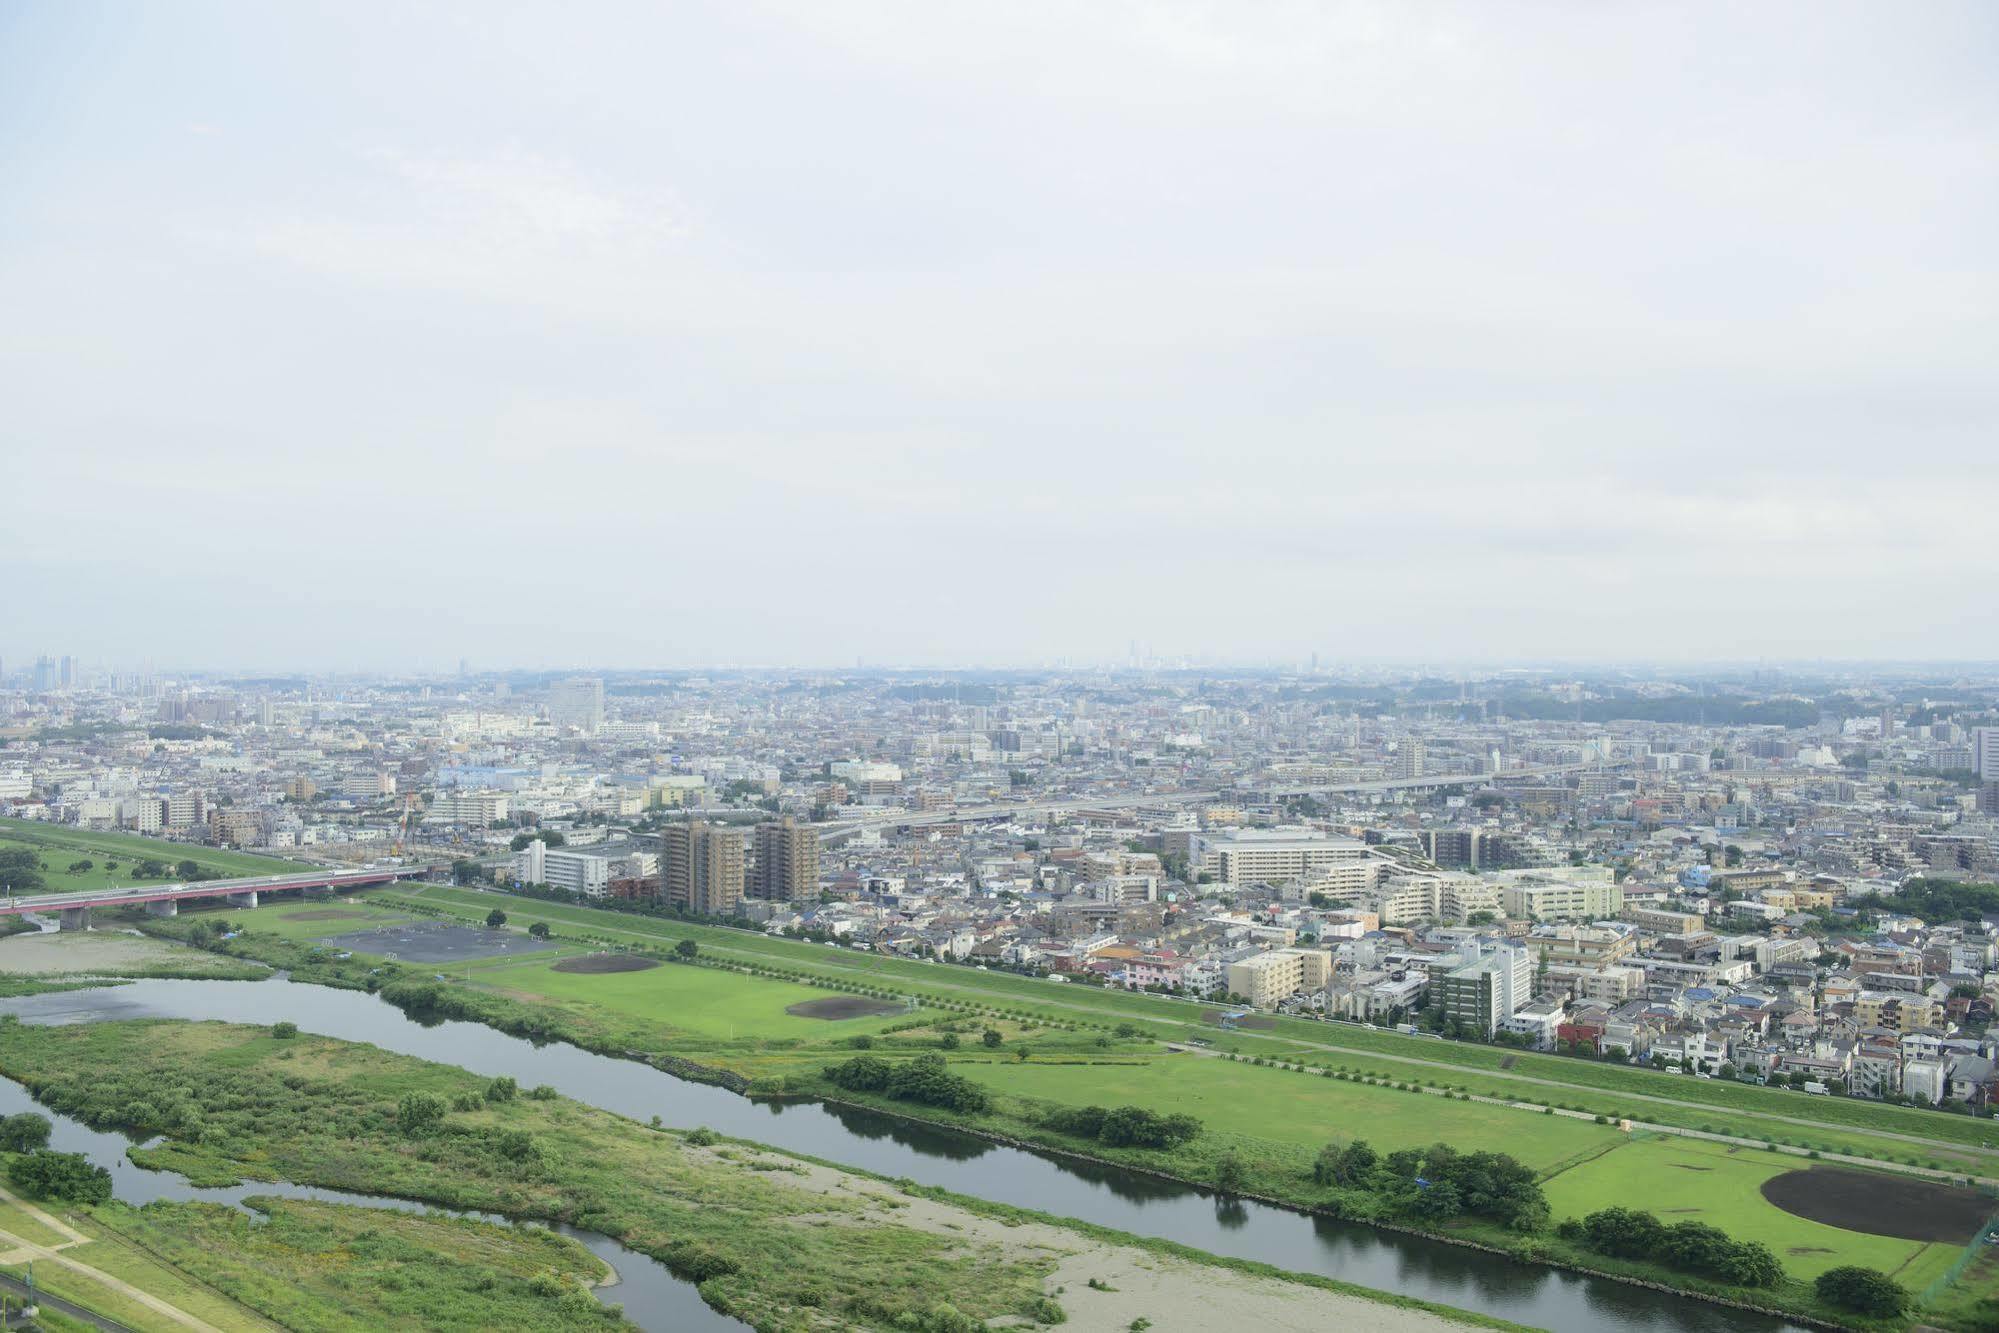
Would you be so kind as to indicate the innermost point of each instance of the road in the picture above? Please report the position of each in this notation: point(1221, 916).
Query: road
point(15, 1250)
point(210, 888)
point(1138, 800)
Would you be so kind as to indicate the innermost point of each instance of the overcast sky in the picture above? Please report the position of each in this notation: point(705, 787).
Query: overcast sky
point(369, 334)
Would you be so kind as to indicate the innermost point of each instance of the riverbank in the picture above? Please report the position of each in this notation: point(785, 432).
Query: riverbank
point(766, 1235)
point(1288, 1098)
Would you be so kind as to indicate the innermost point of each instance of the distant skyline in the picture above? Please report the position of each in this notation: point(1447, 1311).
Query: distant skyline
point(795, 334)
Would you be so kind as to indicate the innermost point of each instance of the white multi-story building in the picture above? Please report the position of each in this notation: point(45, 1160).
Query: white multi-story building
point(481, 809)
point(1259, 857)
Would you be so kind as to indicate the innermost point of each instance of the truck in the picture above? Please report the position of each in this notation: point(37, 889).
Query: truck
point(1817, 1089)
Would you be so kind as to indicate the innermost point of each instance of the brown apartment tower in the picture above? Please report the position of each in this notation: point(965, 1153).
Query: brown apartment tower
point(701, 867)
point(787, 868)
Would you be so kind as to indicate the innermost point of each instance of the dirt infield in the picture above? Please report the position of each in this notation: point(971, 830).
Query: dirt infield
point(436, 942)
point(597, 963)
point(1884, 1205)
point(1250, 1022)
point(844, 1006)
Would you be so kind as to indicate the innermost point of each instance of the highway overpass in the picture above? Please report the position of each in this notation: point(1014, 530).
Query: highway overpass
point(895, 819)
point(163, 899)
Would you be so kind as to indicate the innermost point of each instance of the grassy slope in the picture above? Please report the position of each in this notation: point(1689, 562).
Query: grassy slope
point(60, 846)
point(1307, 1112)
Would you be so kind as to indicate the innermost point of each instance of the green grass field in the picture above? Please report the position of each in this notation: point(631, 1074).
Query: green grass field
point(1297, 1109)
point(315, 918)
point(113, 857)
point(726, 1006)
point(1682, 1180)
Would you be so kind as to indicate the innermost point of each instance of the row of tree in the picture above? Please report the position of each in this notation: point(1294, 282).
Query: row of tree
point(1691, 1247)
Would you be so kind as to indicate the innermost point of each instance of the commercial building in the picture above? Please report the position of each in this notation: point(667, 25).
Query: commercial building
point(787, 864)
point(701, 867)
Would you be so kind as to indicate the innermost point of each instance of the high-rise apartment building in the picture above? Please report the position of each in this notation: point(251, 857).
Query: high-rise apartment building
point(1409, 758)
point(67, 673)
point(701, 867)
point(1985, 753)
point(577, 702)
point(787, 867)
point(1488, 990)
point(45, 674)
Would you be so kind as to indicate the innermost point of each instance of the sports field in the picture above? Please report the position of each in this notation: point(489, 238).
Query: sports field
point(702, 1001)
point(114, 856)
point(315, 918)
point(1685, 1180)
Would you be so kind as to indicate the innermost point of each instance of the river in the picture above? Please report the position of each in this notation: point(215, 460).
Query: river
point(1109, 1196)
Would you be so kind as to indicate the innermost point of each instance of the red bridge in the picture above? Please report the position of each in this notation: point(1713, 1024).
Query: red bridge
point(163, 899)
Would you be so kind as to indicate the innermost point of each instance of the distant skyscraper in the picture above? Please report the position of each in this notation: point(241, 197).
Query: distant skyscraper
point(45, 674)
point(577, 702)
point(701, 867)
point(68, 673)
point(787, 862)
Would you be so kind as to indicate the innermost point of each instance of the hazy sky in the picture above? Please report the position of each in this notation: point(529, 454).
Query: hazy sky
point(378, 334)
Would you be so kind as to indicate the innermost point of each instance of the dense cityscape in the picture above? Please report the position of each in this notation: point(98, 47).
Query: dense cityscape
point(1696, 871)
point(877, 666)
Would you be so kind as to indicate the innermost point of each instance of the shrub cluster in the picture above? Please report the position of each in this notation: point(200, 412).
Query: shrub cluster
point(1438, 1182)
point(923, 1079)
point(60, 1175)
point(1124, 1127)
point(1691, 1247)
point(1862, 1289)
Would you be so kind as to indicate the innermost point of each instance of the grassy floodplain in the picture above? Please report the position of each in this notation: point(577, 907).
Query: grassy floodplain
point(113, 857)
point(331, 1268)
point(781, 1242)
point(1958, 1143)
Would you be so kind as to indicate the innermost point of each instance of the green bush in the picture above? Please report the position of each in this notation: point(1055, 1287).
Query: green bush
point(1862, 1289)
point(60, 1175)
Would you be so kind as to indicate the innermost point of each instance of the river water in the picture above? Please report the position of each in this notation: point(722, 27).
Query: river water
point(1109, 1196)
